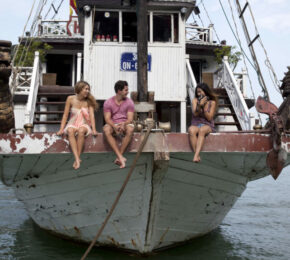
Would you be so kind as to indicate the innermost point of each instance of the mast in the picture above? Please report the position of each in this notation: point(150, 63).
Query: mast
point(142, 51)
point(251, 47)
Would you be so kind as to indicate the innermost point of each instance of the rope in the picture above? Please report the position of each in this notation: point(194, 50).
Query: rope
point(210, 21)
point(32, 30)
point(56, 11)
point(244, 61)
point(17, 49)
point(120, 192)
point(49, 9)
point(267, 61)
point(257, 72)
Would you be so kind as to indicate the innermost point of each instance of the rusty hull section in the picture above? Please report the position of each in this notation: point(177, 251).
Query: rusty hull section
point(50, 143)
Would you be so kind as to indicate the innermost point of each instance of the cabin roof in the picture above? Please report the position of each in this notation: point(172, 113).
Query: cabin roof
point(118, 3)
point(201, 48)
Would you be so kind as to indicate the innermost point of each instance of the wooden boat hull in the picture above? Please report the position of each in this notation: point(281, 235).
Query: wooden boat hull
point(165, 202)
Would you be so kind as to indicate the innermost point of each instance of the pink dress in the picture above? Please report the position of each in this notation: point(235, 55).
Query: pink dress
point(79, 118)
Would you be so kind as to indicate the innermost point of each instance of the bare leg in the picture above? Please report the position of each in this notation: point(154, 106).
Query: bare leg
point(193, 132)
point(108, 131)
point(81, 139)
point(127, 138)
point(203, 131)
point(73, 144)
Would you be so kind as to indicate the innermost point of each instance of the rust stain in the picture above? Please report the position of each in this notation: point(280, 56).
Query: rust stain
point(163, 235)
point(13, 144)
point(113, 241)
point(22, 150)
point(77, 230)
point(133, 242)
point(46, 143)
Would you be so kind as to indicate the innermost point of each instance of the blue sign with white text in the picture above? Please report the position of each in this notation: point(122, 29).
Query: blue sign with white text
point(129, 61)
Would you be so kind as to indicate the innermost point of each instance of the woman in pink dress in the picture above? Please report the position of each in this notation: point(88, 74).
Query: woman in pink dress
point(82, 120)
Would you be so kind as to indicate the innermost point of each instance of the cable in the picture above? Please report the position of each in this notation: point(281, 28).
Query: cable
point(237, 32)
point(201, 2)
point(267, 61)
point(57, 9)
point(23, 32)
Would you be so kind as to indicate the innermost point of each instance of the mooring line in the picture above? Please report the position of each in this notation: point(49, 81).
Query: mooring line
point(120, 192)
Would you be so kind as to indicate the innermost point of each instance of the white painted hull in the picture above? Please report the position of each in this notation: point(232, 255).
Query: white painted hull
point(162, 205)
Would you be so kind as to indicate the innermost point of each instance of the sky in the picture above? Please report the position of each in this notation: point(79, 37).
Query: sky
point(271, 16)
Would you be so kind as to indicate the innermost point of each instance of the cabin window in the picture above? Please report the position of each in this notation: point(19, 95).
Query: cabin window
point(162, 28)
point(129, 27)
point(106, 26)
point(175, 28)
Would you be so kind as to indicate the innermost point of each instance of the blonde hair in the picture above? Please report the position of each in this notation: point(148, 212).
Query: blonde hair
point(90, 98)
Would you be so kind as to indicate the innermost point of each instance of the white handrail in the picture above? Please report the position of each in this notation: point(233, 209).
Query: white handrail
point(191, 81)
point(235, 96)
point(33, 90)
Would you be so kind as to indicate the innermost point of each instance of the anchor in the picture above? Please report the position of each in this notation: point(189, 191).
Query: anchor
point(276, 158)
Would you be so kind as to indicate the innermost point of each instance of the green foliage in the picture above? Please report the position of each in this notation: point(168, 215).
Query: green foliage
point(233, 56)
point(25, 55)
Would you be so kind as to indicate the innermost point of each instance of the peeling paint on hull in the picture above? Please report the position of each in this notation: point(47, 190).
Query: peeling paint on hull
point(163, 205)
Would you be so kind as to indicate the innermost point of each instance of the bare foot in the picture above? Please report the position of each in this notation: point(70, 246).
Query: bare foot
point(196, 158)
point(77, 164)
point(74, 164)
point(122, 162)
point(119, 162)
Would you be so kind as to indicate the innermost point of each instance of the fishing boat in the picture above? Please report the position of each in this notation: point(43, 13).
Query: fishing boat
point(169, 199)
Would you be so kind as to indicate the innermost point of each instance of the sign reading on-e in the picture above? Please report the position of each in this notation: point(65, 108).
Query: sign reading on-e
point(129, 61)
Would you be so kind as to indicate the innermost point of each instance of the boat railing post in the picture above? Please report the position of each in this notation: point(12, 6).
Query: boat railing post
point(33, 90)
point(79, 66)
point(210, 33)
point(235, 96)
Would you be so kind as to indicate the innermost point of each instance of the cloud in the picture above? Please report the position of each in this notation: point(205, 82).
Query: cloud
point(276, 22)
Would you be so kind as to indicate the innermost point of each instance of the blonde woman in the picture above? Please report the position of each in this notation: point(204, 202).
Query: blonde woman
point(81, 107)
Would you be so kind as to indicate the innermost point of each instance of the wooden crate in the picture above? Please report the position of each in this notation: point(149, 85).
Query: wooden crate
point(49, 79)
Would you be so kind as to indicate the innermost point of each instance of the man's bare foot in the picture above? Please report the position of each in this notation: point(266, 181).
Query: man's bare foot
point(121, 162)
point(117, 161)
point(196, 159)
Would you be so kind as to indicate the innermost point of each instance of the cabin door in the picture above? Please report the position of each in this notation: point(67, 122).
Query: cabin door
point(196, 69)
point(62, 65)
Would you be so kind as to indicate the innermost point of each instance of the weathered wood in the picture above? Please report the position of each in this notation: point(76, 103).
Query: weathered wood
point(144, 107)
point(6, 111)
point(142, 48)
point(5, 56)
point(5, 43)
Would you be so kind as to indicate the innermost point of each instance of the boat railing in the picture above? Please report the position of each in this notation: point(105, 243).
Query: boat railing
point(20, 80)
point(52, 28)
point(196, 33)
point(33, 90)
point(55, 28)
point(190, 80)
point(227, 80)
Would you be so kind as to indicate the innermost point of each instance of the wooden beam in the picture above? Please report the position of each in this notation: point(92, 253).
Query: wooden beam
point(142, 48)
